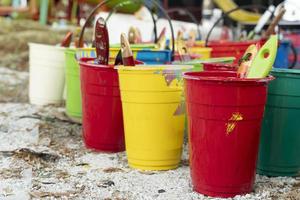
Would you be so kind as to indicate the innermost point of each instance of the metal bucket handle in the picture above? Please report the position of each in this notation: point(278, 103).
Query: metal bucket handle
point(189, 14)
point(229, 12)
point(93, 12)
point(114, 9)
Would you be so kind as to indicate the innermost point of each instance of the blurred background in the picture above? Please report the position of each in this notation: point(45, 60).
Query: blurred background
point(24, 21)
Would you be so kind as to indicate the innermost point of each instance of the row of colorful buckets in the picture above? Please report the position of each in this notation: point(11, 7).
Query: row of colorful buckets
point(142, 110)
point(151, 113)
point(148, 56)
point(224, 116)
point(40, 55)
point(151, 118)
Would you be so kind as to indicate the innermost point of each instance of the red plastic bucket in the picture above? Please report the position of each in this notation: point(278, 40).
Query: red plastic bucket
point(219, 67)
point(101, 107)
point(233, 44)
point(224, 120)
point(231, 48)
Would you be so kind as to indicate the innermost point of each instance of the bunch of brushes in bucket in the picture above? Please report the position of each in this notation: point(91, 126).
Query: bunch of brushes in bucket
point(256, 61)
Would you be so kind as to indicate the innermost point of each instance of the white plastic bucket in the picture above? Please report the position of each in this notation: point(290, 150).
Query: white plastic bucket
point(46, 74)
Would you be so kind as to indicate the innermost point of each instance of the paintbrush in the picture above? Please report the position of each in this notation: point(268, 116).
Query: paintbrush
point(77, 45)
point(118, 60)
point(261, 22)
point(101, 42)
point(66, 42)
point(183, 51)
point(264, 60)
point(179, 35)
point(162, 40)
point(246, 61)
point(76, 40)
point(127, 56)
point(181, 48)
point(134, 35)
point(162, 33)
point(271, 29)
point(192, 38)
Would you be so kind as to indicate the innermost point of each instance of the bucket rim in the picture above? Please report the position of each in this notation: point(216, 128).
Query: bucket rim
point(192, 55)
point(151, 68)
point(140, 46)
point(222, 43)
point(195, 76)
point(49, 46)
point(150, 51)
point(84, 61)
point(208, 60)
point(219, 64)
point(285, 71)
point(74, 49)
point(203, 49)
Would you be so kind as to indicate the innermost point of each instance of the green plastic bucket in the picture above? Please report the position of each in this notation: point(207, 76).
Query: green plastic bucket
point(280, 137)
point(198, 63)
point(73, 94)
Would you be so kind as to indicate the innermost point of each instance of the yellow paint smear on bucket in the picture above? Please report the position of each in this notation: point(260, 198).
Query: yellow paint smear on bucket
point(230, 126)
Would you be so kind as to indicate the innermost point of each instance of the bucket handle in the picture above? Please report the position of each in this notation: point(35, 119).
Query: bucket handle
point(190, 15)
point(114, 9)
point(104, 2)
point(229, 12)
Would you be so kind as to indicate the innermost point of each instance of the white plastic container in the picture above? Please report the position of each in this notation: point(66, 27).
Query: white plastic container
point(46, 74)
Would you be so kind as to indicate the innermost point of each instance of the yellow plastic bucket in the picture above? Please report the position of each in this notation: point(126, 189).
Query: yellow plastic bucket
point(200, 43)
point(204, 52)
point(153, 115)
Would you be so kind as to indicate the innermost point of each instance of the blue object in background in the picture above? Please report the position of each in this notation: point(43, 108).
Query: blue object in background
point(151, 57)
point(282, 57)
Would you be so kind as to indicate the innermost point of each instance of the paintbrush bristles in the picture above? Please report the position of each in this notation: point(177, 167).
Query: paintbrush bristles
point(102, 42)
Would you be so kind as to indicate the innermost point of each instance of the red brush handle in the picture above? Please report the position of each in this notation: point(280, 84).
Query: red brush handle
point(102, 42)
point(128, 61)
point(67, 40)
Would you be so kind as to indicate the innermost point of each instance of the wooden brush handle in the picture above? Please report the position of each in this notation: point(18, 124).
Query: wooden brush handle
point(271, 29)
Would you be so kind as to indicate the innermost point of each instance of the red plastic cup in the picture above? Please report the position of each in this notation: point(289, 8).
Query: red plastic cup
point(219, 67)
point(224, 121)
point(102, 116)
